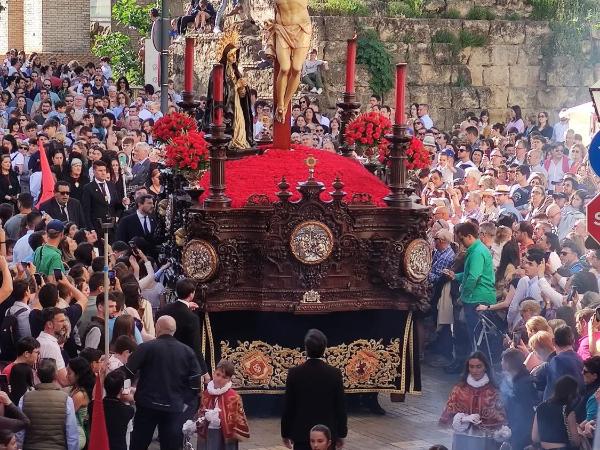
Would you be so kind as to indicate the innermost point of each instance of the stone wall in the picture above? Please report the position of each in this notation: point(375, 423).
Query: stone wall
point(510, 70)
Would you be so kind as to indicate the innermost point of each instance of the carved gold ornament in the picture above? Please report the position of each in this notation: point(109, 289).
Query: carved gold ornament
point(311, 242)
point(199, 260)
point(368, 364)
point(417, 260)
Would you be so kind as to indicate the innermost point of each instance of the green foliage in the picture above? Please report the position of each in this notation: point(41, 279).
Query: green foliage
point(451, 13)
point(405, 8)
point(543, 9)
point(339, 7)
point(123, 60)
point(372, 53)
point(443, 37)
point(467, 38)
point(480, 13)
point(129, 13)
point(570, 21)
point(512, 16)
point(461, 81)
point(409, 37)
point(464, 39)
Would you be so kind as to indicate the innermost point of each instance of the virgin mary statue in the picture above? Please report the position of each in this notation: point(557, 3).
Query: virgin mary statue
point(237, 112)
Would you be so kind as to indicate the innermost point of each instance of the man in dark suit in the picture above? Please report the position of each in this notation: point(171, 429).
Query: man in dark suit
point(167, 390)
point(314, 394)
point(140, 224)
point(188, 323)
point(141, 167)
point(100, 198)
point(63, 207)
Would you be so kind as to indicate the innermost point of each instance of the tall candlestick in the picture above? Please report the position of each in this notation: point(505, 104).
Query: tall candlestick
point(188, 74)
point(400, 116)
point(218, 94)
point(350, 65)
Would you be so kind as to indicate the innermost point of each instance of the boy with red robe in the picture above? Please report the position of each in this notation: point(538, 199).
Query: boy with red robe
point(224, 423)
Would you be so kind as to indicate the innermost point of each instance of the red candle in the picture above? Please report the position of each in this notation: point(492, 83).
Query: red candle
point(350, 65)
point(188, 74)
point(400, 116)
point(218, 93)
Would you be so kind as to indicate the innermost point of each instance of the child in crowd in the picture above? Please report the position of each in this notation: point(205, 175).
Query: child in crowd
point(116, 413)
point(320, 438)
point(221, 407)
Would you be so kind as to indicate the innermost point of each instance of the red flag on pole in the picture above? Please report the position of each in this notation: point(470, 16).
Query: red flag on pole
point(47, 177)
point(98, 433)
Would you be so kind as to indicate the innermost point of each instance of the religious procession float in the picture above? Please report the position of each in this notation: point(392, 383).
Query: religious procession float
point(288, 238)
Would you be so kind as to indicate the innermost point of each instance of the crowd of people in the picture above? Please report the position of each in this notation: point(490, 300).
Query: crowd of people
point(512, 279)
point(515, 303)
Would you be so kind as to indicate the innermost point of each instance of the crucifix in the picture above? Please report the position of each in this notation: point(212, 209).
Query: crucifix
point(288, 42)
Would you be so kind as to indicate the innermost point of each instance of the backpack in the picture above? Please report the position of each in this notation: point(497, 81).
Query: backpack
point(9, 335)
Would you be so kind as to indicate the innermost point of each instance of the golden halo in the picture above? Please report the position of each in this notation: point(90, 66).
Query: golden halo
point(230, 36)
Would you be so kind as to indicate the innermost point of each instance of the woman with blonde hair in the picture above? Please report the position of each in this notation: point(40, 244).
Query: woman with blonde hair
point(537, 324)
point(577, 155)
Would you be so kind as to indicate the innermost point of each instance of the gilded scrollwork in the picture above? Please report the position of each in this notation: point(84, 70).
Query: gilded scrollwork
point(365, 363)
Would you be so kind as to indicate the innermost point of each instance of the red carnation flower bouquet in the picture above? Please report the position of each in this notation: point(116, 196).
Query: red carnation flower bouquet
point(188, 154)
point(172, 125)
point(368, 132)
point(417, 156)
point(186, 150)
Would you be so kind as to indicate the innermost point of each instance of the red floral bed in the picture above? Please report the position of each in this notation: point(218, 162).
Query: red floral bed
point(260, 174)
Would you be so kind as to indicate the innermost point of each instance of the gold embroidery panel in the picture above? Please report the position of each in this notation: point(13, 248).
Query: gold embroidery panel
point(364, 363)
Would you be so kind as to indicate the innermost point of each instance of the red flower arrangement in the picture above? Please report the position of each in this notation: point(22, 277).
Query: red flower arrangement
point(418, 156)
point(187, 151)
point(368, 131)
point(172, 125)
point(260, 174)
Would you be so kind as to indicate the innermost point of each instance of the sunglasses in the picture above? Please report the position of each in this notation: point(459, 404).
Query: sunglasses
point(64, 192)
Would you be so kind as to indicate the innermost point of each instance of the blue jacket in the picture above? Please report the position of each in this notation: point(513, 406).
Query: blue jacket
point(564, 363)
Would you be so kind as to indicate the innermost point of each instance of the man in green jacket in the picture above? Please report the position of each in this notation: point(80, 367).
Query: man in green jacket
point(477, 281)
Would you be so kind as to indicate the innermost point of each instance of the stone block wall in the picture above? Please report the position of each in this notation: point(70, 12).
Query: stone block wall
point(510, 70)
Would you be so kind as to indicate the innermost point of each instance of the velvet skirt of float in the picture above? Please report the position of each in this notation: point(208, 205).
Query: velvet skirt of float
point(374, 349)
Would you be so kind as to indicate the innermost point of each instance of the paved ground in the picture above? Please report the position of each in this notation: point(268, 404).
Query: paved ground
point(409, 426)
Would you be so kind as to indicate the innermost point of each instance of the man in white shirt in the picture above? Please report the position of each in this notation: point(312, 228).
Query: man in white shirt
point(311, 74)
point(558, 164)
point(423, 113)
point(560, 128)
point(320, 117)
point(55, 326)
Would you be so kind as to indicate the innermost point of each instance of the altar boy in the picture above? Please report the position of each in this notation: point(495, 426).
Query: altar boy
point(225, 421)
